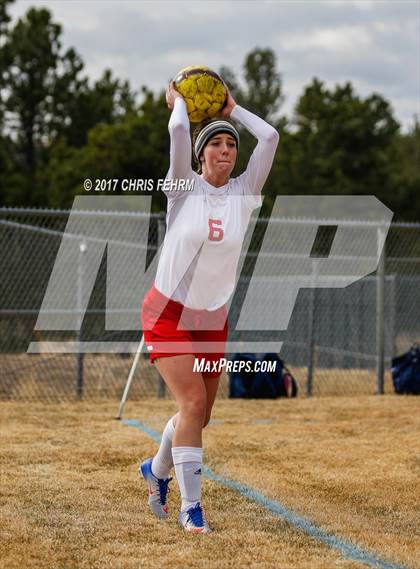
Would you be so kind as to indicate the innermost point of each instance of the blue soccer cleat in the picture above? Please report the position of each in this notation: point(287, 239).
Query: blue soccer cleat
point(158, 489)
point(193, 520)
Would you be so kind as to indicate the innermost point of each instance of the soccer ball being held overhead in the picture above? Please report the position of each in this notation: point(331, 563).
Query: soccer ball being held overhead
point(203, 91)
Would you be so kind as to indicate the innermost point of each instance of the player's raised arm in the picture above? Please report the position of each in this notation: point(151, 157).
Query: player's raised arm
point(261, 160)
point(179, 130)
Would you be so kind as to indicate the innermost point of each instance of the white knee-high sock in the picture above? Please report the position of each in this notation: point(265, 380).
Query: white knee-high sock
point(162, 463)
point(188, 462)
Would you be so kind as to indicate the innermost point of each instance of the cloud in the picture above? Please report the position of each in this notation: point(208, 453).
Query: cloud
point(341, 40)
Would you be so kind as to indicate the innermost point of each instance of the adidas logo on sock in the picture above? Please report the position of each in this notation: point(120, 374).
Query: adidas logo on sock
point(198, 471)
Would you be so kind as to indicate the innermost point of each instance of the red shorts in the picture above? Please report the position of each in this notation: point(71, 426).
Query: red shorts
point(170, 329)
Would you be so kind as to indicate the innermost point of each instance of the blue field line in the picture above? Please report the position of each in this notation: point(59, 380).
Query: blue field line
point(346, 548)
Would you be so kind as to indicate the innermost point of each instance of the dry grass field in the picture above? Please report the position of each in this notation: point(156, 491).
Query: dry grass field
point(71, 497)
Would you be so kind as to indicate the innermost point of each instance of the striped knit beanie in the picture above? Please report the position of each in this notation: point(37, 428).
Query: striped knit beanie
point(212, 129)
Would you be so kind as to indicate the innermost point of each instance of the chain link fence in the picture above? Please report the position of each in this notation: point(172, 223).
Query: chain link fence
point(339, 341)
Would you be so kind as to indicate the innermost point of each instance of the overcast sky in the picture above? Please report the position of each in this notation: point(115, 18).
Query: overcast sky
point(372, 43)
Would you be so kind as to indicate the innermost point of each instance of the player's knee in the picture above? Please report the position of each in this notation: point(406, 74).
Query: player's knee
point(195, 407)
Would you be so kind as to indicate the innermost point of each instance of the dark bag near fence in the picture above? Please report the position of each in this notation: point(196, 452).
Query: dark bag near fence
point(406, 372)
point(249, 384)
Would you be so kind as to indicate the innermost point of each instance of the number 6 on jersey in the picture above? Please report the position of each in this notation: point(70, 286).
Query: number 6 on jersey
point(215, 232)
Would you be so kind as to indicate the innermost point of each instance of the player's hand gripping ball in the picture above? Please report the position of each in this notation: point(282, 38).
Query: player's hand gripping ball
point(203, 91)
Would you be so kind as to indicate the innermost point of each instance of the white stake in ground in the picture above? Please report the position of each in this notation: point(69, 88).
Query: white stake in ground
point(130, 378)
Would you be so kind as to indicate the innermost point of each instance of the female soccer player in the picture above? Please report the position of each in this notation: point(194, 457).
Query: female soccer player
point(184, 314)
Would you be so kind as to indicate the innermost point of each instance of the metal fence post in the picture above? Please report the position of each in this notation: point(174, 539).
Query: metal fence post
point(80, 354)
point(393, 316)
point(380, 309)
point(360, 329)
point(311, 315)
point(161, 391)
point(311, 331)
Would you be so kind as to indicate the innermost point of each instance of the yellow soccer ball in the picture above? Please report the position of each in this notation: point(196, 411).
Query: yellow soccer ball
point(203, 91)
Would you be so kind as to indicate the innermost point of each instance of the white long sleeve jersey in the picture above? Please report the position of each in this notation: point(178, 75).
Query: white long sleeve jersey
point(206, 226)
